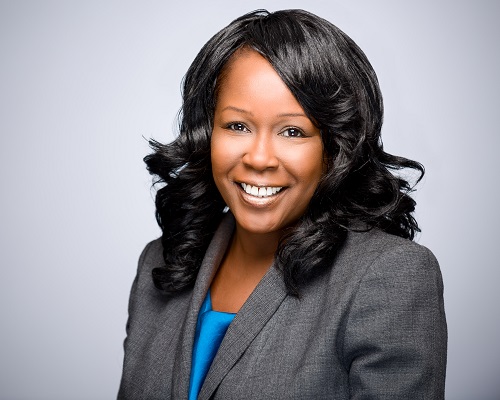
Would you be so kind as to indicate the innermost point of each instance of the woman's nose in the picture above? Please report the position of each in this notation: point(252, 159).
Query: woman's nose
point(260, 153)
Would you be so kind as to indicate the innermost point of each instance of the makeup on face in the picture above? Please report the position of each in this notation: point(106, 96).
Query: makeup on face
point(267, 155)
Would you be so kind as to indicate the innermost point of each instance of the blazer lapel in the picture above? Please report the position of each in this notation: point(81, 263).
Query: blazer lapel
point(212, 260)
point(252, 317)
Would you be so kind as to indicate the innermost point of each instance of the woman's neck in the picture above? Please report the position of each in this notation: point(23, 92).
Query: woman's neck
point(254, 248)
point(247, 260)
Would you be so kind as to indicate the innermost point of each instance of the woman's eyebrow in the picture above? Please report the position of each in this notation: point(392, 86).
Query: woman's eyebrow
point(292, 115)
point(240, 110)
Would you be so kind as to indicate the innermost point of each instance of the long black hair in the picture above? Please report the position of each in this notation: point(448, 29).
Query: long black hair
point(337, 87)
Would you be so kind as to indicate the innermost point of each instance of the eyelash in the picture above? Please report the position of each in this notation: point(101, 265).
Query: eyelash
point(242, 128)
point(231, 126)
point(292, 128)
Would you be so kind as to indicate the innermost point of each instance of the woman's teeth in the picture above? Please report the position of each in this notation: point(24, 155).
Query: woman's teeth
point(260, 191)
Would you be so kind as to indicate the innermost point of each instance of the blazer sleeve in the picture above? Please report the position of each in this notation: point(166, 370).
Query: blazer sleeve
point(133, 291)
point(395, 339)
point(127, 380)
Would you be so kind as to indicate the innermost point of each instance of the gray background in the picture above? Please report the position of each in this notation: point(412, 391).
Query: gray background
point(82, 84)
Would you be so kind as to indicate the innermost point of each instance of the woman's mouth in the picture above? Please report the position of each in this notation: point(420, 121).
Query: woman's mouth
point(260, 191)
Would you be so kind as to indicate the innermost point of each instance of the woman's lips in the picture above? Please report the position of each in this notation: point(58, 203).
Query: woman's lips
point(260, 191)
point(260, 200)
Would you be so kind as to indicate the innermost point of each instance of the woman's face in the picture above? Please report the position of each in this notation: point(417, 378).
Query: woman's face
point(267, 155)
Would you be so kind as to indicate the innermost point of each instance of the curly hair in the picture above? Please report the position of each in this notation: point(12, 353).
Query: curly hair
point(337, 87)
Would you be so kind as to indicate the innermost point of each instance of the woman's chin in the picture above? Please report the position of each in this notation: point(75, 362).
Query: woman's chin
point(258, 226)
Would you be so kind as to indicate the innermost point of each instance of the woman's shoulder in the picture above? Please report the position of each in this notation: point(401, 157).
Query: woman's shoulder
point(395, 311)
point(151, 257)
point(152, 252)
point(375, 243)
point(144, 296)
point(376, 254)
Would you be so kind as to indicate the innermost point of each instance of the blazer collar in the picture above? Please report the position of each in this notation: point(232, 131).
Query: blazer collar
point(248, 322)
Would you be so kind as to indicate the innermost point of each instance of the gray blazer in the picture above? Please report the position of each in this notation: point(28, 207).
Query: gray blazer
point(372, 327)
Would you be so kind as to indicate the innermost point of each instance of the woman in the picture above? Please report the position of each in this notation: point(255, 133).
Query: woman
point(286, 268)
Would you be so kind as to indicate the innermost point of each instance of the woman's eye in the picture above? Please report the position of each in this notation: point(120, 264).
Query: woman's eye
point(237, 126)
point(293, 132)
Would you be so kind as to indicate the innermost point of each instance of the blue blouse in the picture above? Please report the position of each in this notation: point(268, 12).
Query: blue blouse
point(210, 330)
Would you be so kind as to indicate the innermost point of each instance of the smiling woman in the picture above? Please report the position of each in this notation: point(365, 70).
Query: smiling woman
point(286, 267)
point(267, 160)
point(262, 139)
